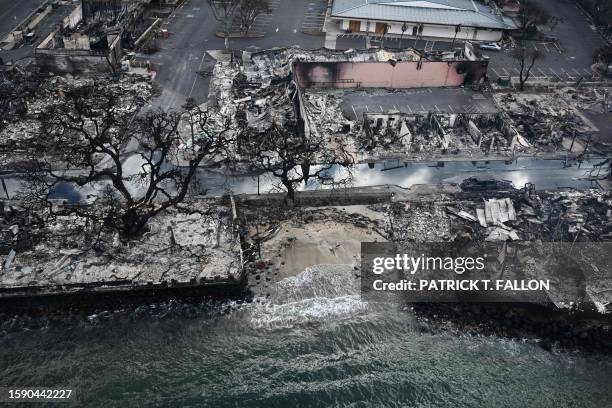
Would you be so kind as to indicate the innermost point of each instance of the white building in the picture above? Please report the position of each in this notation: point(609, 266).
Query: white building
point(447, 19)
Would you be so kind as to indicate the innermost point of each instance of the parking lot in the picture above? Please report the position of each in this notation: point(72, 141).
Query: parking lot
point(438, 100)
point(314, 16)
point(262, 21)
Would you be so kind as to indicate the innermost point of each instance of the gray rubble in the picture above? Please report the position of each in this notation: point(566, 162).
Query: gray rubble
point(193, 245)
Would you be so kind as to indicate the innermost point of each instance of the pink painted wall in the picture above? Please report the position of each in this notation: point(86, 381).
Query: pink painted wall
point(385, 75)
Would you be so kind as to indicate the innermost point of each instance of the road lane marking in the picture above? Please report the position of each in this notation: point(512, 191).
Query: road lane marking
point(196, 76)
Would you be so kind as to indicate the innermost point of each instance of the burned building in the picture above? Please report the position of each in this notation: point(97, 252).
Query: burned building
point(317, 91)
point(92, 37)
point(379, 68)
point(277, 86)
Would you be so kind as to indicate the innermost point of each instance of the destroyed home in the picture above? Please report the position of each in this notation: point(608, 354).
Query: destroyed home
point(93, 37)
point(19, 135)
point(192, 246)
point(549, 219)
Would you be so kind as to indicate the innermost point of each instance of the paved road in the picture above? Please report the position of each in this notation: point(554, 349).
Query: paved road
point(44, 28)
point(12, 12)
point(545, 174)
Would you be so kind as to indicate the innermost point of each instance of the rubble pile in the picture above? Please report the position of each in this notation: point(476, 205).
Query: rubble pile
point(560, 216)
point(131, 93)
point(257, 105)
point(546, 121)
point(420, 221)
point(261, 91)
point(192, 245)
point(326, 107)
point(595, 99)
point(17, 230)
point(545, 225)
point(422, 136)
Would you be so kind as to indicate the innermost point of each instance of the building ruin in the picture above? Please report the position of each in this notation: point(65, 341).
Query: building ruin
point(314, 90)
point(92, 37)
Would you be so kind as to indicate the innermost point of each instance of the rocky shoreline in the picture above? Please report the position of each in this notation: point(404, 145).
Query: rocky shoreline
point(551, 329)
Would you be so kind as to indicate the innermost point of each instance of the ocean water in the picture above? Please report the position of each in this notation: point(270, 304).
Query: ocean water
point(312, 343)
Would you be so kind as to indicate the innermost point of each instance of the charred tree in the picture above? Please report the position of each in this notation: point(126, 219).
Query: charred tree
point(248, 12)
point(132, 166)
point(526, 59)
point(529, 17)
point(225, 11)
point(295, 159)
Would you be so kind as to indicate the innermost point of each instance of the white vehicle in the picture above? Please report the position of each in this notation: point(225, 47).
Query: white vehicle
point(490, 46)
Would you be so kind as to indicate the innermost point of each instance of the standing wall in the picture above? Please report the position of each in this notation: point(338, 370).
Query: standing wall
point(409, 74)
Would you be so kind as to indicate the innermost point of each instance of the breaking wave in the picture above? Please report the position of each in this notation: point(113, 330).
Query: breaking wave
point(319, 294)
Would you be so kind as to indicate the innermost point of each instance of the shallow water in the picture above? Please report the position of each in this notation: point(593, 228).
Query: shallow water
point(314, 342)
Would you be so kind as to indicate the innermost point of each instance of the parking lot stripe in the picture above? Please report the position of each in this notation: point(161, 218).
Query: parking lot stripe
point(554, 73)
point(438, 109)
point(496, 73)
point(505, 71)
point(451, 108)
point(354, 113)
point(409, 108)
point(545, 47)
point(197, 76)
point(422, 107)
